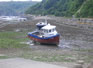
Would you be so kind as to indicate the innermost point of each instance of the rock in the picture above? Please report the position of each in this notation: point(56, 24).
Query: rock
point(80, 62)
point(78, 66)
point(17, 30)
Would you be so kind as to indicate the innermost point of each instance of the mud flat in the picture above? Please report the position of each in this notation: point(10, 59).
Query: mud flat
point(76, 43)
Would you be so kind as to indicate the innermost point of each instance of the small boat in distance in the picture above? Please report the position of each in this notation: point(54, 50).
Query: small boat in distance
point(45, 34)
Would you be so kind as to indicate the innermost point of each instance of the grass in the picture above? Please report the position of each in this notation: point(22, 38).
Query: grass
point(12, 39)
point(4, 57)
point(85, 54)
point(47, 57)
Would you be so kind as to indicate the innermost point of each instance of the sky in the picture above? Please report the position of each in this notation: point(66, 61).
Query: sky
point(20, 0)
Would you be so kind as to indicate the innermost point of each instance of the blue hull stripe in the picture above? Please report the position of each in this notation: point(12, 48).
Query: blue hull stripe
point(35, 36)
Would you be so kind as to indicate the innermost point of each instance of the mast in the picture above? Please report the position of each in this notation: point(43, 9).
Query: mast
point(46, 20)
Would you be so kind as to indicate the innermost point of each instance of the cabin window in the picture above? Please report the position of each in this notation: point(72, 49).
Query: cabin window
point(50, 31)
point(42, 30)
point(46, 31)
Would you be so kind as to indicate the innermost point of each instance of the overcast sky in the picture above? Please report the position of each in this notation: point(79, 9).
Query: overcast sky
point(20, 0)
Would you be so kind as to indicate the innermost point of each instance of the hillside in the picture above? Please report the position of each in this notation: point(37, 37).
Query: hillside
point(14, 8)
point(66, 8)
point(86, 9)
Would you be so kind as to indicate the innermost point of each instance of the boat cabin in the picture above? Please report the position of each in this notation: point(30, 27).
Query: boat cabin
point(48, 30)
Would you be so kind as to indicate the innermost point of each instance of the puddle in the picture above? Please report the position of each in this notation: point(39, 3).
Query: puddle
point(71, 44)
point(17, 30)
point(75, 44)
point(64, 44)
point(28, 43)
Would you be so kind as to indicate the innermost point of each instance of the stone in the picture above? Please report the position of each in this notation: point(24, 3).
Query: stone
point(78, 66)
point(80, 62)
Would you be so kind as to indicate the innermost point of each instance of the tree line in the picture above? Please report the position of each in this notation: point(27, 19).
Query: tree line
point(67, 8)
point(14, 8)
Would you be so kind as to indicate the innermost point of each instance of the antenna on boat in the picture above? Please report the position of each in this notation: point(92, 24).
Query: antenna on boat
point(46, 20)
point(11, 0)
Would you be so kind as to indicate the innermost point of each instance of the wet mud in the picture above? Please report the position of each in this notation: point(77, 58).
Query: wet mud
point(74, 41)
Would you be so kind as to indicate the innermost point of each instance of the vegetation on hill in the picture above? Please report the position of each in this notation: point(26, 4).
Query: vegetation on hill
point(79, 8)
point(14, 8)
point(86, 9)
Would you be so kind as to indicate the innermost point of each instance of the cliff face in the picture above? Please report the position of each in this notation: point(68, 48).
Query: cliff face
point(79, 8)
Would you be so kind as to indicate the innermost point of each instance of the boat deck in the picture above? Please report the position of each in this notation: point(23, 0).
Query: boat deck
point(38, 34)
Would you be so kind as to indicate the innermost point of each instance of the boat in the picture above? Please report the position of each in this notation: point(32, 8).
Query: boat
point(45, 34)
